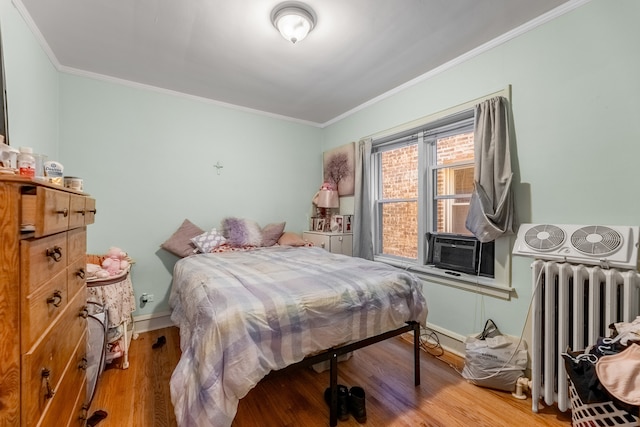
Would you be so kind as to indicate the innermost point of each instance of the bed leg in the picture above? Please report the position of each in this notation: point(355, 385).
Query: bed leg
point(416, 353)
point(333, 383)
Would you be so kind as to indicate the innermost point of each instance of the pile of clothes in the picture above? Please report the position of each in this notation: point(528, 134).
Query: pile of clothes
point(610, 369)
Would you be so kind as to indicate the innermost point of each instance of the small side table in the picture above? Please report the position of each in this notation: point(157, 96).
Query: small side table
point(116, 295)
point(337, 243)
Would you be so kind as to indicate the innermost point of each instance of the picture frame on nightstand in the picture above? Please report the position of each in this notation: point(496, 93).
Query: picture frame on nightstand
point(319, 224)
point(337, 223)
point(348, 223)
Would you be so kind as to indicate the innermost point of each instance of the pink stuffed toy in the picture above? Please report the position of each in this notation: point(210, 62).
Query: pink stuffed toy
point(116, 261)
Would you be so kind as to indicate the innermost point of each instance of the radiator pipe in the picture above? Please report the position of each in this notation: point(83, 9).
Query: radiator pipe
point(522, 384)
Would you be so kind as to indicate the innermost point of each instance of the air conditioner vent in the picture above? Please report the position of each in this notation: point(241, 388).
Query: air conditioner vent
point(544, 237)
point(596, 240)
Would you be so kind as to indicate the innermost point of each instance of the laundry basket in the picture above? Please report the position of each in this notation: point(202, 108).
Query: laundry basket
point(115, 293)
point(598, 414)
point(96, 346)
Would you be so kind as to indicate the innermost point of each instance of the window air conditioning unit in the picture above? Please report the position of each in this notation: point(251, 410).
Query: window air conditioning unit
point(460, 253)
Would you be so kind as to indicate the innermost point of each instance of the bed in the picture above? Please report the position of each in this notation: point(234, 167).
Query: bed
point(244, 314)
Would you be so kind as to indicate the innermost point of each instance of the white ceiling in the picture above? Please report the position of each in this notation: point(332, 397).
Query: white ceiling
point(228, 51)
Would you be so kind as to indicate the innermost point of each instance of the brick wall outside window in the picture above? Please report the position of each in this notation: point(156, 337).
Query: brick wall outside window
point(400, 181)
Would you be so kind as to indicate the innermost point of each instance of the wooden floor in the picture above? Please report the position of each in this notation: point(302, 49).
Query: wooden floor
point(139, 396)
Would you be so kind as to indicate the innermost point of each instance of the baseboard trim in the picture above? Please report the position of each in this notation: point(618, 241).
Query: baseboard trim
point(152, 322)
point(449, 340)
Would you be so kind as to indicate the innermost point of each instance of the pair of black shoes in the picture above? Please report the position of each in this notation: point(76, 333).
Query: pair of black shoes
point(349, 402)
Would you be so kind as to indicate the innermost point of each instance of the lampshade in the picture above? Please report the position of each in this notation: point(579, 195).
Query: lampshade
point(328, 199)
point(293, 20)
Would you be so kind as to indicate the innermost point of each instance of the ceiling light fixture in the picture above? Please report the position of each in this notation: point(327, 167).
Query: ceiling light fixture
point(293, 20)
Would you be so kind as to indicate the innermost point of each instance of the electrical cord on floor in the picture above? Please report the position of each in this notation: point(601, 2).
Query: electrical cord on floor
point(430, 343)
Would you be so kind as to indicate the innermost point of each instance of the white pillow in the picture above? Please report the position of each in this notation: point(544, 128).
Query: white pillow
point(209, 240)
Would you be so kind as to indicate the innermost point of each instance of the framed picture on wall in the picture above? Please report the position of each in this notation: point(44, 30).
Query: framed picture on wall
point(339, 168)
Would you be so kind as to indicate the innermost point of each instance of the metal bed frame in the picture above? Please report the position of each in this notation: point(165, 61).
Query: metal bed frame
point(332, 355)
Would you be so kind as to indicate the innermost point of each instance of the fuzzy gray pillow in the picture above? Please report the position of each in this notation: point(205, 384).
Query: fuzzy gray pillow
point(241, 232)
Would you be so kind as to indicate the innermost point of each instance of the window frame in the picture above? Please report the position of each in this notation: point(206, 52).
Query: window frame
point(500, 285)
point(426, 138)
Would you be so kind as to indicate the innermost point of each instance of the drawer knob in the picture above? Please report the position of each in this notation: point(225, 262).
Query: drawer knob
point(84, 312)
point(55, 299)
point(55, 253)
point(64, 212)
point(81, 273)
point(45, 376)
point(82, 212)
point(93, 211)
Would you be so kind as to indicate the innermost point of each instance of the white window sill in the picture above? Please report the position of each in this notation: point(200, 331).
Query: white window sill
point(476, 284)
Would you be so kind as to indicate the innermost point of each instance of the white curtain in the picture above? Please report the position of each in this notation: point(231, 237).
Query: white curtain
point(363, 217)
point(491, 208)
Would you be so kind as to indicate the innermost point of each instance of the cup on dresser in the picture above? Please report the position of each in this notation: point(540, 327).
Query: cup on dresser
point(40, 159)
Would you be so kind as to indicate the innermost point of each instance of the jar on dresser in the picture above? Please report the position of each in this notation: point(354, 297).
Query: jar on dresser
point(43, 313)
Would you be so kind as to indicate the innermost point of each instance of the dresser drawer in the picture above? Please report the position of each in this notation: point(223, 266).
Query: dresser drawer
point(53, 352)
point(76, 277)
point(43, 307)
point(77, 210)
point(80, 411)
point(42, 259)
point(77, 244)
point(52, 211)
point(90, 210)
point(70, 397)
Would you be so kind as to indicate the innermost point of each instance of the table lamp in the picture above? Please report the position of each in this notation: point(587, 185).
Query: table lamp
point(326, 200)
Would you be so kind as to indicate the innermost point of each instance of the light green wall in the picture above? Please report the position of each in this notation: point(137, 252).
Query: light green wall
point(32, 85)
point(576, 106)
point(148, 157)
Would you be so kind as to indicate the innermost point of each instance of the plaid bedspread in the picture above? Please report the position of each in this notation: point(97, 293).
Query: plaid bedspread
point(244, 314)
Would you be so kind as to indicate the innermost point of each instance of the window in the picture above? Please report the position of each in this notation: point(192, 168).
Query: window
point(423, 180)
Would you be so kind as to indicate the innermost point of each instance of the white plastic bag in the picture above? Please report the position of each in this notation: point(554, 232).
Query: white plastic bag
point(495, 362)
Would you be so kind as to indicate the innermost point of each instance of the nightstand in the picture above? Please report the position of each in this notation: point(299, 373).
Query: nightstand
point(337, 243)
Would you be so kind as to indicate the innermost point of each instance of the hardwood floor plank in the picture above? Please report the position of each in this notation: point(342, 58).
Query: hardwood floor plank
point(140, 397)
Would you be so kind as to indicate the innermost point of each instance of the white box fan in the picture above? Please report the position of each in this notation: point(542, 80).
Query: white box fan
point(602, 245)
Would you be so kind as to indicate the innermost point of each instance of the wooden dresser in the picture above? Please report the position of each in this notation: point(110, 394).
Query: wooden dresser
point(43, 310)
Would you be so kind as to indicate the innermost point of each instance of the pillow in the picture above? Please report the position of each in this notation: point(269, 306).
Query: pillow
point(205, 242)
point(179, 243)
point(271, 233)
point(291, 239)
point(241, 232)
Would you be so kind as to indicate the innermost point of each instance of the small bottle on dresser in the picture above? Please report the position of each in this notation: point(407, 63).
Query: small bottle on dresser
point(26, 162)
